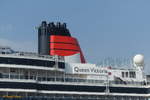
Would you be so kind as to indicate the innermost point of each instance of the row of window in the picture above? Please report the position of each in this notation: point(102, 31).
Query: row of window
point(32, 62)
point(130, 74)
point(69, 87)
point(41, 96)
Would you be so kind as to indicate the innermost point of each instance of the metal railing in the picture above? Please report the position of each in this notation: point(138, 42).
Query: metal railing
point(34, 55)
point(73, 80)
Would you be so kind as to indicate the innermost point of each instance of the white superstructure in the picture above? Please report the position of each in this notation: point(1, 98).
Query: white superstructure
point(48, 77)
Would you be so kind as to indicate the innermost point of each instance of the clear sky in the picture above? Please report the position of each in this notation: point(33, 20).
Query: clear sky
point(104, 28)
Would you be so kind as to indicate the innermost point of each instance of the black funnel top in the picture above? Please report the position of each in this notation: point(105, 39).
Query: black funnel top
point(56, 28)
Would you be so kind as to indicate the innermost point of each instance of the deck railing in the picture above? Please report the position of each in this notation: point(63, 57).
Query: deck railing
point(73, 80)
point(34, 55)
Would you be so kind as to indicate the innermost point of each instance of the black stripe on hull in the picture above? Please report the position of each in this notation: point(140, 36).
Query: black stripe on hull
point(92, 88)
point(79, 88)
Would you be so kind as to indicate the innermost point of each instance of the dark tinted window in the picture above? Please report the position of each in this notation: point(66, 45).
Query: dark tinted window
point(132, 74)
point(21, 61)
point(123, 74)
point(61, 65)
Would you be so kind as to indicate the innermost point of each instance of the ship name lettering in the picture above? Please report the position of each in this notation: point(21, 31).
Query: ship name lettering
point(97, 70)
point(77, 69)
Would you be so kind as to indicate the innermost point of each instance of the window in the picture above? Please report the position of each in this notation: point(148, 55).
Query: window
point(123, 74)
point(126, 74)
point(61, 65)
point(22, 61)
point(132, 74)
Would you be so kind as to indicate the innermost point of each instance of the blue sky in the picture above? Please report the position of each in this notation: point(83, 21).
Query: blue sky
point(104, 28)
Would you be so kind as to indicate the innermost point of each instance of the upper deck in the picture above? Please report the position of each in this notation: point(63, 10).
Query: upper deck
point(32, 65)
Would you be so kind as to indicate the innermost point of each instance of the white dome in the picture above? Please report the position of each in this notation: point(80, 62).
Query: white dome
point(138, 60)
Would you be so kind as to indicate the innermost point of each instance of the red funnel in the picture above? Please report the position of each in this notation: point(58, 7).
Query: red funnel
point(65, 46)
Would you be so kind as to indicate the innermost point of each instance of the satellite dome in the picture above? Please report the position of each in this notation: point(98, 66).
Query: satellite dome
point(138, 60)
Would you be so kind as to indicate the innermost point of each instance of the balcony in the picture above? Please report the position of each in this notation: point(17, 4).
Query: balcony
point(72, 80)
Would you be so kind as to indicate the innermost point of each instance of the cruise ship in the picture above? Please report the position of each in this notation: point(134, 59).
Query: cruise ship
point(59, 71)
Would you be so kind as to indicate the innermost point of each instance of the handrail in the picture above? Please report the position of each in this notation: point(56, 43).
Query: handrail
point(60, 58)
point(72, 80)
